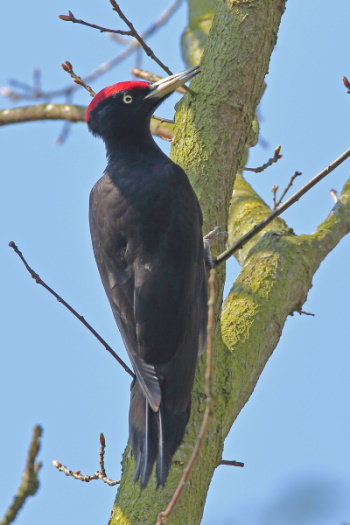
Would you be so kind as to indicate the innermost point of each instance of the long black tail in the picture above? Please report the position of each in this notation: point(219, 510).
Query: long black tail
point(154, 436)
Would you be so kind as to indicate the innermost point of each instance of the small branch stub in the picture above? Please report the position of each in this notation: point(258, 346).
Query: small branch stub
point(231, 463)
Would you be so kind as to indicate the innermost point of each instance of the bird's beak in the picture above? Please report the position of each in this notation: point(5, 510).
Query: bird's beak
point(167, 85)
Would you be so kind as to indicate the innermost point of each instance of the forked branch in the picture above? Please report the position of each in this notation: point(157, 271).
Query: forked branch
point(280, 209)
point(99, 474)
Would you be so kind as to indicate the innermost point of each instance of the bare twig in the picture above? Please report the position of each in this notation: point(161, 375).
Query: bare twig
point(71, 18)
point(29, 92)
point(141, 41)
point(38, 280)
point(99, 474)
point(285, 191)
point(271, 161)
point(283, 207)
point(30, 480)
point(151, 77)
point(163, 516)
point(161, 20)
point(231, 463)
point(67, 66)
point(274, 190)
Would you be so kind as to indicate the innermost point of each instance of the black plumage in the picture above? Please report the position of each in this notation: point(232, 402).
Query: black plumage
point(145, 224)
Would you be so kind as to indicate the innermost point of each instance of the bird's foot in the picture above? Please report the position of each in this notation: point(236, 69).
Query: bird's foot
point(209, 239)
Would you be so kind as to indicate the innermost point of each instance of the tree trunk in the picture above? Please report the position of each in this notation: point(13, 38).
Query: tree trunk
point(211, 149)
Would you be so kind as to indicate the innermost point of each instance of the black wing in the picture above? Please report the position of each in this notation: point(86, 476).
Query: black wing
point(148, 247)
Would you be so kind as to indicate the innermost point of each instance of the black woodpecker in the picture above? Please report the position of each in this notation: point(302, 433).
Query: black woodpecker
point(146, 230)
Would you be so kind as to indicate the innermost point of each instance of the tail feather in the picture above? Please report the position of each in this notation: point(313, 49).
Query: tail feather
point(171, 429)
point(154, 437)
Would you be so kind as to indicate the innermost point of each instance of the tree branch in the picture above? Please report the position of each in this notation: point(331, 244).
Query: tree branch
point(99, 474)
point(277, 273)
point(67, 112)
point(38, 280)
point(333, 228)
point(210, 150)
point(276, 157)
point(71, 18)
point(149, 52)
point(30, 480)
point(71, 113)
point(276, 203)
point(35, 92)
point(283, 207)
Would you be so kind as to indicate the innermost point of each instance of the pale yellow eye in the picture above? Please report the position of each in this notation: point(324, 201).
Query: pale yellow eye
point(127, 99)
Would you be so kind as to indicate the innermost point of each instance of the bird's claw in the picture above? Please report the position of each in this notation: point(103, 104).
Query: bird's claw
point(209, 239)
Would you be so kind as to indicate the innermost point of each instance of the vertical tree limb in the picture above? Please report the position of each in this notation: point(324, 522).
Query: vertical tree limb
point(210, 149)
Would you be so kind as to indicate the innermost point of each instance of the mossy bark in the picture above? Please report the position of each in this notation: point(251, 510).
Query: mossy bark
point(211, 131)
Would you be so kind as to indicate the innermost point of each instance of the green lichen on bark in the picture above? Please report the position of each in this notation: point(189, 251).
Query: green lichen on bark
point(210, 148)
point(276, 275)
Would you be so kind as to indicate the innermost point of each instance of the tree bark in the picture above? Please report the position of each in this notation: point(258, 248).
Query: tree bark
point(210, 148)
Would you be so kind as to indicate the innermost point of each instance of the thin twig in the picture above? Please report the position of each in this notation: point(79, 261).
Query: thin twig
point(99, 474)
point(289, 185)
point(274, 190)
point(71, 18)
point(283, 207)
point(163, 516)
point(271, 161)
point(31, 94)
point(149, 52)
point(161, 20)
point(38, 280)
point(231, 463)
point(67, 66)
point(30, 480)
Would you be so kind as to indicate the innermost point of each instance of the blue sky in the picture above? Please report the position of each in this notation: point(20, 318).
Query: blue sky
point(293, 434)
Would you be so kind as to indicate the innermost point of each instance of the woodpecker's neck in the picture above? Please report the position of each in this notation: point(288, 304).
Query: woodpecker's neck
point(129, 145)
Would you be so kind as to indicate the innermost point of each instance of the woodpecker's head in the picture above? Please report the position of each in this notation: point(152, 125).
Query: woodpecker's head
point(128, 106)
